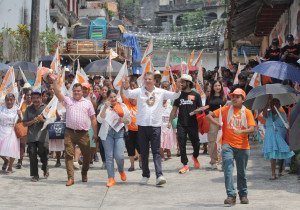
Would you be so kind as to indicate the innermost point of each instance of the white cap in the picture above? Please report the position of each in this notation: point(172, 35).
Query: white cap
point(50, 71)
point(187, 77)
point(157, 72)
point(26, 85)
point(67, 70)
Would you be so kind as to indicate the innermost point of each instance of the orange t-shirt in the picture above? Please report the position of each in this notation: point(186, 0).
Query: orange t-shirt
point(239, 141)
point(133, 110)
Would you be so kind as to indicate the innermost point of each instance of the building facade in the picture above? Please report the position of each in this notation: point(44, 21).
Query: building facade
point(55, 15)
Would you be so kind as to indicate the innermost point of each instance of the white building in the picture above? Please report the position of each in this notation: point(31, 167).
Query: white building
point(55, 15)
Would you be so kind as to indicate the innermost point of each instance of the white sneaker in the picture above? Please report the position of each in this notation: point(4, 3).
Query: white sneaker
point(76, 165)
point(144, 181)
point(161, 180)
point(213, 166)
point(103, 166)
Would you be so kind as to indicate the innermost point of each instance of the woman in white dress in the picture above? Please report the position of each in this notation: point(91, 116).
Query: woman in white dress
point(9, 143)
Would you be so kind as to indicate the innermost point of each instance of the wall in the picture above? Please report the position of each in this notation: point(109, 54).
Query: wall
point(11, 14)
point(148, 9)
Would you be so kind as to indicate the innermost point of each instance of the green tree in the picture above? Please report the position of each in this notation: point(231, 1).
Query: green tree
point(193, 19)
point(50, 39)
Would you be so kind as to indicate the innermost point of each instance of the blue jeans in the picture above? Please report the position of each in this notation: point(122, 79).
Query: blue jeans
point(229, 154)
point(114, 147)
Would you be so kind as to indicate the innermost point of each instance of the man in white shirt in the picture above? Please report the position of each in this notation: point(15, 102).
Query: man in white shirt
point(150, 107)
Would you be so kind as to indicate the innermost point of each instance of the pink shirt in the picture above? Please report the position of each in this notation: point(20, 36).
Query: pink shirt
point(78, 113)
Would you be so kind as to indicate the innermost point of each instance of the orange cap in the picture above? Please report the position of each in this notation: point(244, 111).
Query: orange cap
point(238, 91)
point(86, 85)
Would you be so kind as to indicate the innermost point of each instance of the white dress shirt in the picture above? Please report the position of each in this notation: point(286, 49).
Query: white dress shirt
point(105, 126)
point(150, 115)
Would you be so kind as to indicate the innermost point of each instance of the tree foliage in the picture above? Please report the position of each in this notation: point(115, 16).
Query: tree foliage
point(50, 39)
point(14, 44)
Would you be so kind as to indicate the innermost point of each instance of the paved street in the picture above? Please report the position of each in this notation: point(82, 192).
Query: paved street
point(198, 189)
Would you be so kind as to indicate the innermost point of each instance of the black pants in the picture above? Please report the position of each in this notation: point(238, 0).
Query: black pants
point(131, 142)
point(37, 149)
point(182, 132)
point(150, 135)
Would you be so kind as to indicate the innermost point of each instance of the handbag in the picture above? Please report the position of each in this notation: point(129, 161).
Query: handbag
point(56, 130)
point(20, 130)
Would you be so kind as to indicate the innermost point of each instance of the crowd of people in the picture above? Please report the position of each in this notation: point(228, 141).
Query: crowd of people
point(100, 118)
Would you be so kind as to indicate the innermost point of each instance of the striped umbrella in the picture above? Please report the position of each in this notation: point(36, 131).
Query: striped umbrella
point(258, 97)
point(278, 70)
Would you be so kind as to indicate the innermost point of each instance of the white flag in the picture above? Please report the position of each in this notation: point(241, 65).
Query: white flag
point(50, 112)
point(120, 77)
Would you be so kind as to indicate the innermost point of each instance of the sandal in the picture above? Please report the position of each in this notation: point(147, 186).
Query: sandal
point(4, 167)
point(19, 165)
point(169, 154)
point(273, 177)
point(9, 172)
point(46, 173)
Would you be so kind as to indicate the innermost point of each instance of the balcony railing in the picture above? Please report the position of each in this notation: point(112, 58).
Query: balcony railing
point(59, 12)
point(189, 6)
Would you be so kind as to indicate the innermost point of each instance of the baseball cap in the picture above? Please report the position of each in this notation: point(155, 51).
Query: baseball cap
point(238, 91)
point(290, 37)
point(86, 85)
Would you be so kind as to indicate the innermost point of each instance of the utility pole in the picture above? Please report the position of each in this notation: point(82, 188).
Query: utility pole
point(34, 31)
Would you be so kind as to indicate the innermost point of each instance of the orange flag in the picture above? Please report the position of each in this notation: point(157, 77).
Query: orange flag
point(166, 72)
point(198, 58)
point(280, 41)
point(123, 73)
point(199, 81)
point(37, 87)
point(173, 86)
point(190, 61)
point(148, 68)
point(8, 85)
point(255, 80)
point(236, 80)
point(55, 64)
point(148, 54)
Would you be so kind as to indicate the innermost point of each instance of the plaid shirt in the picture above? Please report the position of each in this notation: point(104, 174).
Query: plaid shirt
point(78, 113)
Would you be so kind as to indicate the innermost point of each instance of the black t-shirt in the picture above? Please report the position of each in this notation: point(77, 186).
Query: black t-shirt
point(35, 132)
point(187, 103)
point(295, 49)
point(273, 55)
point(214, 102)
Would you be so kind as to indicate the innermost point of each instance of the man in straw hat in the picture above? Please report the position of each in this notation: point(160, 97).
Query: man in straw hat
point(187, 105)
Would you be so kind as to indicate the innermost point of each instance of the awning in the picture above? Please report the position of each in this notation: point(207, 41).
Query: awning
point(255, 16)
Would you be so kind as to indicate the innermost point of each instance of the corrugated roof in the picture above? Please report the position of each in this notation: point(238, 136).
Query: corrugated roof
point(255, 16)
